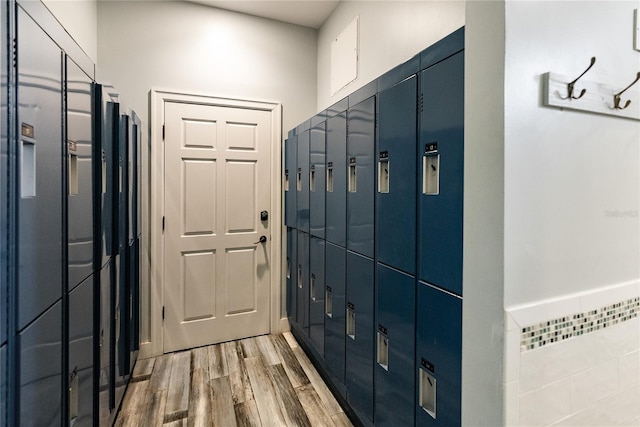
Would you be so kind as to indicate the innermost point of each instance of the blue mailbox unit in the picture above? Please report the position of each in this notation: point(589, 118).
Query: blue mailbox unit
point(336, 174)
point(335, 309)
point(317, 175)
point(361, 164)
point(290, 171)
point(302, 178)
point(316, 292)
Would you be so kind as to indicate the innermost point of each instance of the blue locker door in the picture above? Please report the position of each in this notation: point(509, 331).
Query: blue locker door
point(3, 385)
point(106, 398)
point(360, 176)
point(316, 292)
point(292, 273)
point(395, 348)
point(4, 194)
point(438, 357)
point(442, 174)
point(40, 347)
point(134, 292)
point(290, 191)
point(302, 181)
point(131, 150)
point(119, 364)
point(81, 345)
point(317, 180)
point(121, 189)
point(396, 200)
point(360, 332)
point(302, 280)
point(40, 157)
point(336, 180)
point(335, 309)
point(80, 176)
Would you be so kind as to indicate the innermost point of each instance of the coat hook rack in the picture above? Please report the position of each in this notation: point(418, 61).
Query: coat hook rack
point(617, 97)
point(571, 85)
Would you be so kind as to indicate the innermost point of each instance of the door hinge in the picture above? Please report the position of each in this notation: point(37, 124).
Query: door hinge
point(163, 131)
point(163, 312)
point(163, 224)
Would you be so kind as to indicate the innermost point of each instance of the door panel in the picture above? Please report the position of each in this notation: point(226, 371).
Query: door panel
point(217, 180)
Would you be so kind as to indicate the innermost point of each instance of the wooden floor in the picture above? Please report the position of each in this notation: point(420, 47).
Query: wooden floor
point(261, 381)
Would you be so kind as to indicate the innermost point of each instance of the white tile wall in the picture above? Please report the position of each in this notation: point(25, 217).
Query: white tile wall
point(587, 380)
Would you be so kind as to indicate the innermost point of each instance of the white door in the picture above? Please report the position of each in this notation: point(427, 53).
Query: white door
point(217, 183)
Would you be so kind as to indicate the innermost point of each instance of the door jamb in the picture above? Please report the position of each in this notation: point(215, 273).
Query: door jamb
point(158, 98)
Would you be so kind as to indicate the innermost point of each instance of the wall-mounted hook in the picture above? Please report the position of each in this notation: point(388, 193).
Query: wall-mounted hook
point(571, 85)
point(617, 97)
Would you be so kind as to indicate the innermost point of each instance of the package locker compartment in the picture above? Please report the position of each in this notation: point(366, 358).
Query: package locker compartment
point(395, 347)
point(302, 281)
point(80, 198)
point(359, 348)
point(336, 175)
point(438, 357)
point(441, 149)
point(122, 173)
point(317, 177)
point(316, 293)
point(396, 186)
point(361, 166)
point(106, 399)
point(335, 309)
point(81, 347)
point(40, 151)
point(290, 175)
point(302, 181)
point(40, 372)
point(292, 273)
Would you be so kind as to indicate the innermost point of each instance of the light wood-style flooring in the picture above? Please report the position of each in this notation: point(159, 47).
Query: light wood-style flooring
point(260, 381)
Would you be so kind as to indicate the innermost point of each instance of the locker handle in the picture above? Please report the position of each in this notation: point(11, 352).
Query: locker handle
point(73, 395)
point(328, 302)
point(27, 169)
point(351, 321)
point(427, 392)
point(382, 352)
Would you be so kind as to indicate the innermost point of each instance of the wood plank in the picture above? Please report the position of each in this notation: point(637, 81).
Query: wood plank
point(217, 362)
point(161, 372)
point(241, 390)
point(223, 412)
point(135, 397)
point(249, 348)
point(287, 398)
point(289, 362)
point(267, 350)
point(200, 358)
point(321, 388)
point(264, 392)
point(143, 369)
point(247, 414)
point(290, 339)
point(313, 406)
point(179, 423)
point(179, 386)
point(153, 413)
point(341, 420)
point(199, 400)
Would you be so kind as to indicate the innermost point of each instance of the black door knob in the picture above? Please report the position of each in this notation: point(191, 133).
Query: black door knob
point(263, 239)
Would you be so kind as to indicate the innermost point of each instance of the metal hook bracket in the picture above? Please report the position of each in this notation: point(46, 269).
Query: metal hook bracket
point(571, 85)
point(617, 98)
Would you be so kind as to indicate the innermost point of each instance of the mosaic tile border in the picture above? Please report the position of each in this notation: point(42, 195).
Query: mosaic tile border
point(564, 328)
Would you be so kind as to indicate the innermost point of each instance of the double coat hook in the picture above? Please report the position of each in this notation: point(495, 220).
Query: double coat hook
point(571, 85)
point(617, 97)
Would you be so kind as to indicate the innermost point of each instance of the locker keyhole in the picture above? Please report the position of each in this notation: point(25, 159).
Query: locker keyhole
point(383, 176)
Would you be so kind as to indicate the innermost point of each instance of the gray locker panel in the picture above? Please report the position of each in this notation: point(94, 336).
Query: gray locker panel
point(40, 347)
point(40, 158)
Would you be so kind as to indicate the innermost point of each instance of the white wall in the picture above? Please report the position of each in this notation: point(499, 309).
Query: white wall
point(80, 19)
point(565, 171)
point(391, 32)
point(194, 48)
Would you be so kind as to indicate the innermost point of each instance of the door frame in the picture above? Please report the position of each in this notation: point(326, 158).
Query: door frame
point(158, 98)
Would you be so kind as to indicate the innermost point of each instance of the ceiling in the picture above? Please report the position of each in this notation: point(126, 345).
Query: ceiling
point(308, 13)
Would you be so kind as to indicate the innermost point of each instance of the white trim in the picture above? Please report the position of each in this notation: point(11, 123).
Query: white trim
point(158, 98)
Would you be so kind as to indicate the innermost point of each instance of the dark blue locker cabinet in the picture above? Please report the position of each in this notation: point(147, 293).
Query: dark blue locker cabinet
point(438, 357)
point(302, 181)
point(41, 370)
point(80, 201)
point(302, 280)
point(4, 193)
point(290, 174)
point(360, 332)
point(134, 302)
point(122, 173)
point(81, 345)
point(3, 385)
point(442, 174)
point(292, 273)
point(135, 176)
point(396, 201)
point(336, 174)
point(395, 348)
point(335, 309)
point(119, 333)
point(316, 292)
point(106, 375)
point(40, 158)
point(360, 176)
point(317, 176)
